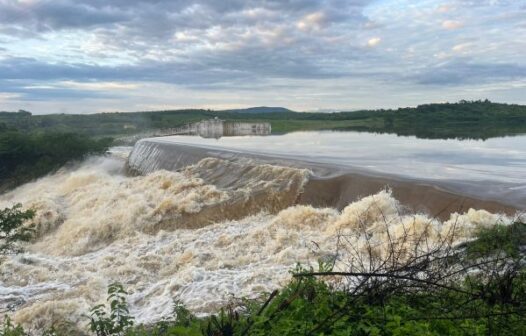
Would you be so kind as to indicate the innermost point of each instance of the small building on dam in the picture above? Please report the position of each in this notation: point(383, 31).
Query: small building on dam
point(212, 128)
point(216, 128)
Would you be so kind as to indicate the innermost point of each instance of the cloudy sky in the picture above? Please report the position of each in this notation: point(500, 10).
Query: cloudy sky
point(74, 56)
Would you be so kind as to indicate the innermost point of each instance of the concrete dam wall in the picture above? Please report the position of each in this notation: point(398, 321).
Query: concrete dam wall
point(216, 128)
point(326, 186)
point(212, 128)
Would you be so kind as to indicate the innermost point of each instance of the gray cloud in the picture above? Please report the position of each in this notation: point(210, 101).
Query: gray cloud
point(63, 94)
point(57, 14)
point(245, 44)
point(64, 14)
point(459, 73)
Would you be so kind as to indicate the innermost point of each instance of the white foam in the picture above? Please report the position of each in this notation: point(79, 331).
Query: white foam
point(169, 235)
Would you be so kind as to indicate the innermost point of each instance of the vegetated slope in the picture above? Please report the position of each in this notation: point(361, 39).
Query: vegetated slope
point(28, 155)
point(464, 120)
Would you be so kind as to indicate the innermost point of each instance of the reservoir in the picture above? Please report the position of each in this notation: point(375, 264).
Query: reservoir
point(493, 169)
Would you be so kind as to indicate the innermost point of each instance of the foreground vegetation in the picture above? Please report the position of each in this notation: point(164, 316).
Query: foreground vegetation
point(473, 120)
point(13, 230)
point(477, 288)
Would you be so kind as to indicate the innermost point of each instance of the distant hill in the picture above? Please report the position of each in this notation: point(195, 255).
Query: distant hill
point(260, 109)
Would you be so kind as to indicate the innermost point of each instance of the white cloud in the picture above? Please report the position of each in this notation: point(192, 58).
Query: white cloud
point(444, 8)
point(452, 24)
point(462, 47)
point(97, 86)
point(374, 41)
point(8, 96)
point(312, 21)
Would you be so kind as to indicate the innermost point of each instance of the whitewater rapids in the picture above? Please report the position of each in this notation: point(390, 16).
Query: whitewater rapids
point(172, 236)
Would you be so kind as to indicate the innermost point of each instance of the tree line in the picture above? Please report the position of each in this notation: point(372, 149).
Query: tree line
point(462, 120)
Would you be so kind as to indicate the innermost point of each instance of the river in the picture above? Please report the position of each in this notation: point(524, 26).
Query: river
point(203, 220)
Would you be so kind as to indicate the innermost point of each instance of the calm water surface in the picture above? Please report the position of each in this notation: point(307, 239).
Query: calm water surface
point(498, 159)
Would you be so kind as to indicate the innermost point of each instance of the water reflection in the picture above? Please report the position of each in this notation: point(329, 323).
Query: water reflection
point(494, 169)
point(500, 159)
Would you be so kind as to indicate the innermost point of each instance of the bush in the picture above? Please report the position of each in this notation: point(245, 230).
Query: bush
point(113, 321)
point(12, 229)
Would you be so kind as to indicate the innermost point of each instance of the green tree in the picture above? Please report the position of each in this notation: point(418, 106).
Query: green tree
point(12, 228)
point(26, 156)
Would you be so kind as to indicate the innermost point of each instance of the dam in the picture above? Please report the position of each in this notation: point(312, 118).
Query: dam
point(438, 177)
point(217, 128)
point(209, 129)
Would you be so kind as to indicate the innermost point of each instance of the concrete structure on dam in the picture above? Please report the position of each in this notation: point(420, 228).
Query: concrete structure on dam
point(216, 128)
point(212, 128)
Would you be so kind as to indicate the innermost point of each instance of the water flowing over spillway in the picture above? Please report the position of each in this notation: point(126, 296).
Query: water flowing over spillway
point(193, 226)
point(332, 182)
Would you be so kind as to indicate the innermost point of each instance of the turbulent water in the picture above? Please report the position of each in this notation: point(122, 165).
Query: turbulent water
point(200, 235)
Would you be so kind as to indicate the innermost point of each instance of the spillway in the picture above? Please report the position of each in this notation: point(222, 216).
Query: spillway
point(330, 184)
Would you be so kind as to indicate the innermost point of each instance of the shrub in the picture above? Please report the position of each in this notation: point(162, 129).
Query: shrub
point(12, 229)
point(113, 321)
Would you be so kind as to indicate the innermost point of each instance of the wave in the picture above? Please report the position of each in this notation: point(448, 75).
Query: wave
point(213, 229)
point(82, 210)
